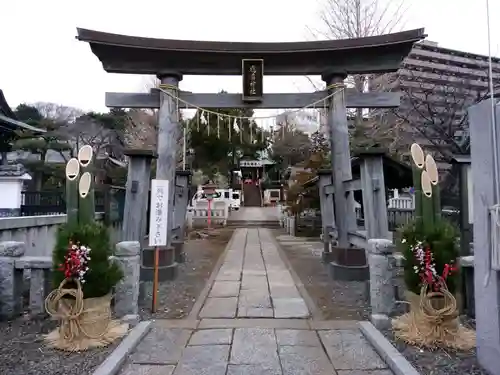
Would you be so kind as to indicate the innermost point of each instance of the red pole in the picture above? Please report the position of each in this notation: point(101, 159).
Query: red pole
point(155, 280)
point(209, 213)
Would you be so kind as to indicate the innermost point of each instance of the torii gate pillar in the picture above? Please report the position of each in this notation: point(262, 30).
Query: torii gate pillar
point(168, 134)
point(340, 157)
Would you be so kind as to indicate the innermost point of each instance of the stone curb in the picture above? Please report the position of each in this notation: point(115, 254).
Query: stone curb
point(394, 359)
point(113, 363)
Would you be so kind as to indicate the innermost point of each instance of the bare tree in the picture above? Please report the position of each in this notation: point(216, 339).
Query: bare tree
point(141, 130)
point(104, 132)
point(434, 108)
point(346, 19)
point(142, 127)
point(57, 112)
point(343, 19)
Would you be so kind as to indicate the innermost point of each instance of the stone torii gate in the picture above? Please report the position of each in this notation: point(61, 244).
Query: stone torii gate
point(169, 60)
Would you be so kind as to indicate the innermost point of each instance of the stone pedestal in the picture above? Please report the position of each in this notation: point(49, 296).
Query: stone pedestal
point(167, 266)
point(348, 264)
point(11, 279)
point(382, 299)
point(127, 255)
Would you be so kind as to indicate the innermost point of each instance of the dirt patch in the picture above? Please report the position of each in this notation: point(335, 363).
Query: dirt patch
point(336, 300)
point(176, 298)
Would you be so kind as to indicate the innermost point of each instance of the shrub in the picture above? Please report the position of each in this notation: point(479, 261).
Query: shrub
point(103, 273)
point(442, 241)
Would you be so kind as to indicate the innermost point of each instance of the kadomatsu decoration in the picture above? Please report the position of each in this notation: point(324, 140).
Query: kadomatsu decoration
point(430, 253)
point(83, 272)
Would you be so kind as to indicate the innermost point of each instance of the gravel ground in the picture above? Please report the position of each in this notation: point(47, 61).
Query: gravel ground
point(22, 350)
point(176, 298)
point(439, 361)
point(335, 299)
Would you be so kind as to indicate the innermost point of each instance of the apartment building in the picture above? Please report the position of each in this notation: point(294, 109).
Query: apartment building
point(439, 84)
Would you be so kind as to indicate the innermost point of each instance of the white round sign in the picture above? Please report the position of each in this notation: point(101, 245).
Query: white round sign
point(72, 169)
point(84, 184)
point(417, 155)
point(431, 168)
point(85, 155)
point(426, 184)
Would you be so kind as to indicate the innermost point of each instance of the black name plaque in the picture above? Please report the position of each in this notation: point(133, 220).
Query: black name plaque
point(253, 79)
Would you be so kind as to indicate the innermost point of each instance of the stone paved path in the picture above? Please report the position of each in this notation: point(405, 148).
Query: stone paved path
point(254, 321)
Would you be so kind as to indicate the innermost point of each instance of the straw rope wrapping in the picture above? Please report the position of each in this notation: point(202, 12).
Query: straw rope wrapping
point(433, 321)
point(84, 322)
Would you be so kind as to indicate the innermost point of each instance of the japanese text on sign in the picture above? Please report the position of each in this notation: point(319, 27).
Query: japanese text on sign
point(253, 76)
point(253, 79)
point(158, 221)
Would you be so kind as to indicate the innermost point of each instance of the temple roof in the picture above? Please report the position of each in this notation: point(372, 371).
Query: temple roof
point(139, 55)
point(9, 120)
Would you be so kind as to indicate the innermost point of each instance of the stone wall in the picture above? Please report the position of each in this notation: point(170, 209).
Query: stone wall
point(38, 233)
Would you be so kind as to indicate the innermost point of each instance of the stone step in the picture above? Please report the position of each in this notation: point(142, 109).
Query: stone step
point(253, 224)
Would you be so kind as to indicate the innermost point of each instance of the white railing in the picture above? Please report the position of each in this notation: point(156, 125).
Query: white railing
point(198, 216)
point(401, 203)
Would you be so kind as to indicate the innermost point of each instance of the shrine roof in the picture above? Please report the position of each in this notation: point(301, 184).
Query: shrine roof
point(9, 121)
point(397, 175)
point(139, 55)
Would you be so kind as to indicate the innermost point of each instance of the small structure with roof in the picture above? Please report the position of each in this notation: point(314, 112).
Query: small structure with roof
point(13, 176)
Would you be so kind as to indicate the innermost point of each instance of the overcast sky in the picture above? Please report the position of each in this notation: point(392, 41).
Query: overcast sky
point(40, 59)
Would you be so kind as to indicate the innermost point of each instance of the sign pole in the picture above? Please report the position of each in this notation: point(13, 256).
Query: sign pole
point(155, 280)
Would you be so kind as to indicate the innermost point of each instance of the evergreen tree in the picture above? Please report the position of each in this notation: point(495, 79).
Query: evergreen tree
point(219, 142)
point(38, 145)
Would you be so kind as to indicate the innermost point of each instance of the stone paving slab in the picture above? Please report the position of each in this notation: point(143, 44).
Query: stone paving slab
point(252, 298)
point(255, 312)
point(137, 369)
point(216, 307)
point(222, 336)
point(296, 337)
point(161, 346)
point(254, 323)
point(349, 350)
point(303, 360)
point(225, 289)
point(365, 372)
point(255, 346)
point(253, 370)
point(203, 360)
point(290, 308)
